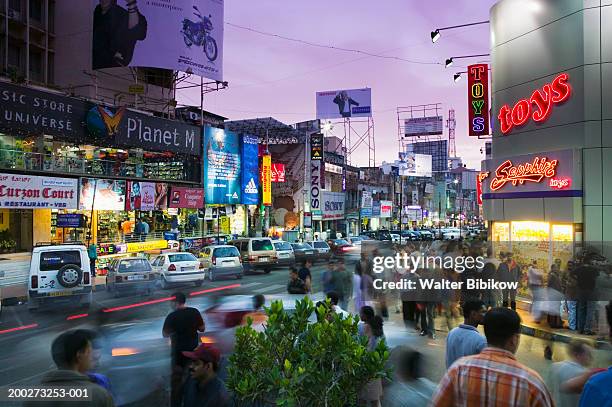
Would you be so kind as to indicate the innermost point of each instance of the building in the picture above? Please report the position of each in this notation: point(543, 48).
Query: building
point(548, 176)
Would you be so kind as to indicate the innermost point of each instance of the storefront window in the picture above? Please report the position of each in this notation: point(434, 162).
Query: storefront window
point(16, 230)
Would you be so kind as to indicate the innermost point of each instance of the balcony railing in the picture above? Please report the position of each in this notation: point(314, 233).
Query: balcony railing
point(20, 160)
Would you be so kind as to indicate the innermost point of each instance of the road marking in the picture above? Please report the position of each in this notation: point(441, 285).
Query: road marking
point(269, 288)
point(71, 317)
point(210, 290)
point(19, 328)
point(250, 285)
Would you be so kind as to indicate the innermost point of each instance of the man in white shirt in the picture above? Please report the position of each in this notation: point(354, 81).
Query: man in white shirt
point(334, 299)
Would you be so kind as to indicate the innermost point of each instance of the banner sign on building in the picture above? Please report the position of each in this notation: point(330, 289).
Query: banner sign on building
point(316, 146)
point(337, 104)
point(146, 246)
point(415, 165)
point(423, 126)
point(386, 209)
point(221, 166)
point(250, 170)
point(546, 174)
point(32, 192)
point(182, 35)
point(102, 194)
point(266, 179)
point(26, 111)
point(333, 205)
point(376, 209)
point(278, 173)
point(70, 220)
point(188, 198)
point(140, 196)
point(315, 186)
point(478, 100)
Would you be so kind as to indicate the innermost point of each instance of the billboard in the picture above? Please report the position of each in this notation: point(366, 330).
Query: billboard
point(278, 173)
point(478, 100)
point(182, 35)
point(333, 205)
point(190, 198)
point(266, 179)
point(415, 165)
point(250, 171)
point(337, 104)
point(221, 166)
point(423, 126)
point(315, 186)
point(102, 194)
point(386, 209)
point(316, 146)
point(31, 192)
point(140, 196)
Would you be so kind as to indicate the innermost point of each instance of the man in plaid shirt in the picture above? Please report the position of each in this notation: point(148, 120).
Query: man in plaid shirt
point(494, 377)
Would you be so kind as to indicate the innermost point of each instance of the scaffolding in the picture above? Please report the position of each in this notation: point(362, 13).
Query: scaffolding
point(405, 113)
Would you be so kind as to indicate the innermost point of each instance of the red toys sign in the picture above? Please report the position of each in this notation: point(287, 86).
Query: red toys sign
point(538, 106)
point(478, 99)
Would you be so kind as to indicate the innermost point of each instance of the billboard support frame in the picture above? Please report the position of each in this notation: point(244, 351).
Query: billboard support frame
point(355, 128)
point(411, 112)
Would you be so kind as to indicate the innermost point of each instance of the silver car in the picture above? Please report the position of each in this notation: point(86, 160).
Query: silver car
point(286, 257)
point(222, 261)
point(322, 248)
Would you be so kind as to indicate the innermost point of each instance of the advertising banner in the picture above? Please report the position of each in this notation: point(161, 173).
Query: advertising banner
point(187, 198)
point(478, 100)
point(32, 192)
point(182, 35)
point(266, 179)
point(386, 209)
point(140, 196)
point(316, 146)
point(102, 194)
point(337, 104)
point(366, 200)
point(125, 128)
point(221, 166)
point(376, 209)
point(29, 111)
point(333, 205)
point(415, 165)
point(69, 220)
point(546, 174)
point(315, 186)
point(250, 171)
point(278, 173)
point(146, 246)
point(423, 126)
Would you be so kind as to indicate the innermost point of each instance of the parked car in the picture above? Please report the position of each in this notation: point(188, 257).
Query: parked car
point(322, 248)
point(284, 251)
point(340, 247)
point(304, 251)
point(395, 238)
point(257, 253)
point(133, 274)
point(181, 267)
point(426, 234)
point(356, 241)
point(451, 234)
point(59, 272)
point(222, 261)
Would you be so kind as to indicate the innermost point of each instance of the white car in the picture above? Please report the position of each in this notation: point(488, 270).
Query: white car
point(222, 261)
point(451, 234)
point(284, 251)
point(322, 248)
point(59, 272)
point(181, 267)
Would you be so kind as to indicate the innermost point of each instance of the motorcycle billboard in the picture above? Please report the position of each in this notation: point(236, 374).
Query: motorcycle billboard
point(338, 104)
point(186, 35)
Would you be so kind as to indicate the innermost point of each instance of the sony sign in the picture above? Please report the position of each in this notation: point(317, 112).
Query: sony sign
point(315, 186)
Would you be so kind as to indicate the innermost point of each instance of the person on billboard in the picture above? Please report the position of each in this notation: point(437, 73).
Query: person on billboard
point(115, 33)
point(344, 102)
point(161, 196)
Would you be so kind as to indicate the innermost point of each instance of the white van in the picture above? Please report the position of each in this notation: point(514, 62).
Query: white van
point(59, 272)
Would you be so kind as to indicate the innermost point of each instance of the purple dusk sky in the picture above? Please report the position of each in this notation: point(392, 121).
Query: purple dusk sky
point(274, 77)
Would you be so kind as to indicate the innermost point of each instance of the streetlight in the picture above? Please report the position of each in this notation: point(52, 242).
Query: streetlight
point(449, 61)
point(457, 77)
point(435, 35)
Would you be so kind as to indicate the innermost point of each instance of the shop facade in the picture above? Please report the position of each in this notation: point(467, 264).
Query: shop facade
point(119, 166)
point(546, 191)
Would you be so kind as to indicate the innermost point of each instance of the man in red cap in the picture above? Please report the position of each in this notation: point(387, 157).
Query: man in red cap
point(203, 387)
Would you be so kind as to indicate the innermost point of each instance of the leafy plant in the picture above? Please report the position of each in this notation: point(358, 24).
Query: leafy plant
point(297, 363)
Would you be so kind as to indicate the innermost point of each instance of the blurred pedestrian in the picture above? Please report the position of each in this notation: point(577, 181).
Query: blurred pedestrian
point(328, 277)
point(598, 389)
point(92, 252)
point(181, 326)
point(489, 272)
point(258, 315)
point(409, 388)
point(72, 352)
point(295, 284)
point(465, 340)
point(366, 314)
point(334, 298)
point(586, 276)
point(554, 296)
point(535, 277)
point(570, 288)
point(371, 394)
point(494, 377)
point(561, 372)
point(204, 388)
point(305, 275)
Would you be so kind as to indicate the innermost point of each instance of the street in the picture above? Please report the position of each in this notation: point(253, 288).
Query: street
point(136, 357)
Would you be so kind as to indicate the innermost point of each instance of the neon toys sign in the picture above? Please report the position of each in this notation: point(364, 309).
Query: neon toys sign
point(538, 106)
point(534, 171)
